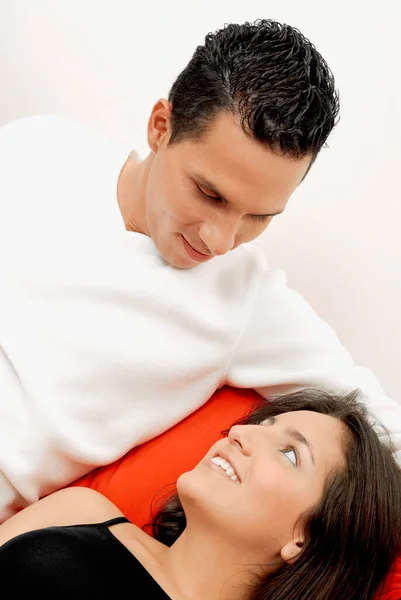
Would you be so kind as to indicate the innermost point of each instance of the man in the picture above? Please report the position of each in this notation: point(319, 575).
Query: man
point(128, 295)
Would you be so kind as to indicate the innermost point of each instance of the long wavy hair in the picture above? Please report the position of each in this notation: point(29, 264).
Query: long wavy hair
point(353, 535)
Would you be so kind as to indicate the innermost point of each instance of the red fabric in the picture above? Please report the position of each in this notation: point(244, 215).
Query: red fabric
point(392, 588)
point(133, 481)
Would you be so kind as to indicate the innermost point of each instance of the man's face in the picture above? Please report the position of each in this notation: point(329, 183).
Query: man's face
point(205, 198)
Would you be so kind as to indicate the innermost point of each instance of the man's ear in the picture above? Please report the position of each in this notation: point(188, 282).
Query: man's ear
point(291, 551)
point(159, 124)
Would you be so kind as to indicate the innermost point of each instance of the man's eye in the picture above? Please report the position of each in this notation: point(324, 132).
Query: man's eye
point(291, 455)
point(208, 196)
point(262, 218)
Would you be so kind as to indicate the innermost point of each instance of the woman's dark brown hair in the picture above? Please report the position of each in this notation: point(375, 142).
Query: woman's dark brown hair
point(353, 535)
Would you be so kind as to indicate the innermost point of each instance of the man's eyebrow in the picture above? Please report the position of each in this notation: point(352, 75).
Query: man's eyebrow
point(205, 183)
point(295, 435)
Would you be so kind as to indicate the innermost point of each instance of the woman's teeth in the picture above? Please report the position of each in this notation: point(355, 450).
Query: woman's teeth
point(225, 465)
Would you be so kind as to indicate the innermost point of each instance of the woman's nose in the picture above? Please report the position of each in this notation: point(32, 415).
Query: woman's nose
point(239, 435)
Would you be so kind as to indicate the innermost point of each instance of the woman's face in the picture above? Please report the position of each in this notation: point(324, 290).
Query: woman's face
point(253, 486)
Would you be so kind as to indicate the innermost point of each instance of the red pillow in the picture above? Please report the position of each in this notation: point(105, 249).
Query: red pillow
point(392, 586)
point(133, 481)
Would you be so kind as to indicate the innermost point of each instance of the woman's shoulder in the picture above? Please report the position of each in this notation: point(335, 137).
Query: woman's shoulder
point(70, 506)
point(75, 505)
point(84, 501)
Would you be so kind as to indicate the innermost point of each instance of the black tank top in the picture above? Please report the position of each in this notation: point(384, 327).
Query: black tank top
point(74, 562)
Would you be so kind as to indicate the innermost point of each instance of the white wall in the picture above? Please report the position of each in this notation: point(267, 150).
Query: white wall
point(107, 61)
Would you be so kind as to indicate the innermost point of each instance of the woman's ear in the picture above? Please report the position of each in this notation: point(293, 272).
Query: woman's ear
point(291, 551)
point(159, 124)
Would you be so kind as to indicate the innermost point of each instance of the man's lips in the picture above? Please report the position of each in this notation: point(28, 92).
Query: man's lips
point(194, 254)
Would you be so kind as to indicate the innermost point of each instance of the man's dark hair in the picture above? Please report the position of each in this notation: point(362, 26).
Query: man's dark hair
point(269, 76)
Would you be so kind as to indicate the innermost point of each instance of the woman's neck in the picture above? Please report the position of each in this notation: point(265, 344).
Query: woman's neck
point(202, 566)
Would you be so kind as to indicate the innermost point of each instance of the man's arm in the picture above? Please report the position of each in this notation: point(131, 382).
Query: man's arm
point(286, 346)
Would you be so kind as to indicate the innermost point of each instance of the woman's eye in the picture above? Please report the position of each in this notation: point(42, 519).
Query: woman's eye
point(291, 455)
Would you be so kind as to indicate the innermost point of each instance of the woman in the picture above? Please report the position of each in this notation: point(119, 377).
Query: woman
point(300, 500)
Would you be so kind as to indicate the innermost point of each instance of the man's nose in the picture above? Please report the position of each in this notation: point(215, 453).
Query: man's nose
point(219, 236)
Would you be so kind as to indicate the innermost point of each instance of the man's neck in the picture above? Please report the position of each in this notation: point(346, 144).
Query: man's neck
point(131, 193)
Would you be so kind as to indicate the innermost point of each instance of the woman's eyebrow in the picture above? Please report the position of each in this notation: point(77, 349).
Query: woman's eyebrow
point(295, 435)
point(299, 437)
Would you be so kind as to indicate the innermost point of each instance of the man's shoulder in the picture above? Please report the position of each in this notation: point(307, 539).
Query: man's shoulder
point(39, 137)
point(56, 133)
point(37, 123)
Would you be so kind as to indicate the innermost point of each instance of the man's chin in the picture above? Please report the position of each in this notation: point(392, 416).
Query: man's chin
point(175, 255)
point(179, 262)
point(183, 264)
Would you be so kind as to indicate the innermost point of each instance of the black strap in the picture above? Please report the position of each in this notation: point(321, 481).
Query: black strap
point(115, 521)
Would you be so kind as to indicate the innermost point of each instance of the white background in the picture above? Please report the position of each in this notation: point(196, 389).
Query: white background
point(107, 61)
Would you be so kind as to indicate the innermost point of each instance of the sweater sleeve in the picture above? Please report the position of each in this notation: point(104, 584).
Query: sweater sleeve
point(286, 346)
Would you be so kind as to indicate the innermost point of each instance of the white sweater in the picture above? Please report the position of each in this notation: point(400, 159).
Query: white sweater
point(102, 344)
